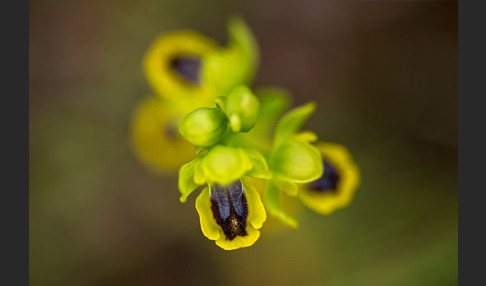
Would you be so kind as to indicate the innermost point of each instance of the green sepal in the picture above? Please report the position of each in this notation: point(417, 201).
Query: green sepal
point(242, 39)
point(235, 64)
point(273, 102)
point(204, 126)
point(296, 160)
point(273, 204)
point(293, 121)
point(199, 176)
point(260, 167)
point(223, 164)
point(241, 108)
point(186, 179)
point(221, 71)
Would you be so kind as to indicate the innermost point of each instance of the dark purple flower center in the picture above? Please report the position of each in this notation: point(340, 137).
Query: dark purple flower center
point(230, 208)
point(328, 182)
point(187, 68)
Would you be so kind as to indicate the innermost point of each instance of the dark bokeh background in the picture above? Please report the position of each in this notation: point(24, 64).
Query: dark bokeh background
point(384, 76)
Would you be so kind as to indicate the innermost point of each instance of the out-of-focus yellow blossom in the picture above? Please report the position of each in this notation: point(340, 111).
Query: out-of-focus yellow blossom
point(173, 68)
point(336, 188)
point(190, 70)
point(155, 136)
point(186, 70)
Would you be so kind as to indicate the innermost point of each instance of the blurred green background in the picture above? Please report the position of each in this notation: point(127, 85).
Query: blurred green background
point(384, 76)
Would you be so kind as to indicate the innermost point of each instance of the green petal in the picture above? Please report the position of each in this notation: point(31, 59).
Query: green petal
point(296, 160)
point(204, 126)
point(260, 166)
point(293, 121)
point(241, 108)
point(224, 165)
point(186, 179)
point(209, 227)
point(273, 203)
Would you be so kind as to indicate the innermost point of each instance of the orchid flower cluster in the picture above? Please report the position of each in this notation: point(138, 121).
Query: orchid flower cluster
point(233, 145)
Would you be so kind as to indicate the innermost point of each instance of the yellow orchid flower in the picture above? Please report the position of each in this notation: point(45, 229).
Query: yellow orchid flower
point(336, 188)
point(230, 208)
point(173, 65)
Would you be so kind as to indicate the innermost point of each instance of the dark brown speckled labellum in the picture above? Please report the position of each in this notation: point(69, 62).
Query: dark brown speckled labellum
point(230, 208)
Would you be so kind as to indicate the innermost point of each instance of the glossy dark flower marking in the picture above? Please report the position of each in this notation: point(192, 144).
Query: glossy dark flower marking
point(187, 68)
point(230, 208)
point(328, 182)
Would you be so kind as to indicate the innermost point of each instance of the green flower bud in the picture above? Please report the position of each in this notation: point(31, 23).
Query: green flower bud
point(204, 126)
point(241, 108)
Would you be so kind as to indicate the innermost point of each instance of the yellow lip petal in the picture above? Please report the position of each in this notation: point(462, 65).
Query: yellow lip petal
point(349, 180)
point(257, 214)
point(239, 241)
point(211, 229)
